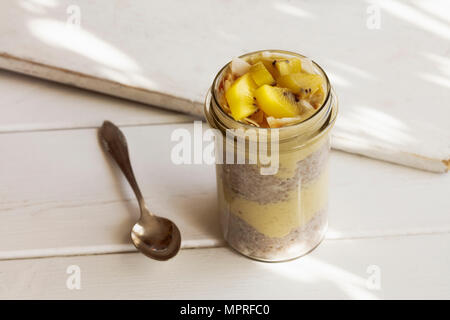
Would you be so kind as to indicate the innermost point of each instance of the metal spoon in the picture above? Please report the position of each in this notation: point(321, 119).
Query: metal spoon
point(156, 237)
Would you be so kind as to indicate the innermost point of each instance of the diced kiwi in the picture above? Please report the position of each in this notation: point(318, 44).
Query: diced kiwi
point(287, 66)
point(261, 75)
point(301, 83)
point(277, 102)
point(240, 97)
point(267, 61)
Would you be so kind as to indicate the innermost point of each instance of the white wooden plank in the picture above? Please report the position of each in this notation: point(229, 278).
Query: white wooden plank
point(164, 55)
point(34, 104)
point(60, 195)
point(372, 198)
point(414, 267)
point(114, 88)
point(63, 184)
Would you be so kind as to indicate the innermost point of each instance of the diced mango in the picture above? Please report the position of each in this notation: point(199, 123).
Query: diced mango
point(261, 75)
point(287, 66)
point(240, 97)
point(277, 102)
point(303, 83)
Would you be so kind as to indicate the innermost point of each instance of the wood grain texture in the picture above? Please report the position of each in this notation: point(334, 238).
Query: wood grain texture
point(414, 267)
point(167, 57)
point(60, 194)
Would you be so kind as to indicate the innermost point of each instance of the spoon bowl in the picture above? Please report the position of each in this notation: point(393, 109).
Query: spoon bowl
point(162, 243)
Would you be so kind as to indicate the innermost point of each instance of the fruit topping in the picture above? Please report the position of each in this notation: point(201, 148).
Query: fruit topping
point(240, 97)
point(271, 91)
point(278, 123)
point(301, 83)
point(261, 75)
point(277, 102)
point(239, 67)
point(287, 66)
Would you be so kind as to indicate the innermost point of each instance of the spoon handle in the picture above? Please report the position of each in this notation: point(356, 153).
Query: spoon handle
point(114, 141)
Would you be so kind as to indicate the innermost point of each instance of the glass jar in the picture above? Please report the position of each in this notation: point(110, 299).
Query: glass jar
point(273, 198)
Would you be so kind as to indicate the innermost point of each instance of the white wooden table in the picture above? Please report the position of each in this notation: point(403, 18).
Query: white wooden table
point(63, 203)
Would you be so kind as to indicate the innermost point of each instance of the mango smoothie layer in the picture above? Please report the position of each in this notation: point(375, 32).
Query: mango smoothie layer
point(276, 204)
point(295, 168)
point(279, 218)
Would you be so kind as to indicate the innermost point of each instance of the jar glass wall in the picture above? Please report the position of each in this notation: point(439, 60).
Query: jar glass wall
point(273, 203)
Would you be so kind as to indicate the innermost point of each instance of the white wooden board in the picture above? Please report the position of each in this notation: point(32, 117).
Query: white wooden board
point(392, 82)
point(29, 104)
point(60, 195)
point(413, 267)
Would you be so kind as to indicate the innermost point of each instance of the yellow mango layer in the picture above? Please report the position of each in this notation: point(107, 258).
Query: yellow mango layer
point(280, 218)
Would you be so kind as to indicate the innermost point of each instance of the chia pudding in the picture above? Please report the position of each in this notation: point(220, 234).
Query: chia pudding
point(283, 215)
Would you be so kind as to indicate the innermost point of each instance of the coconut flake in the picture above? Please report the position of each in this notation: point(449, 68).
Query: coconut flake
point(308, 66)
point(306, 105)
point(281, 122)
point(250, 121)
point(239, 67)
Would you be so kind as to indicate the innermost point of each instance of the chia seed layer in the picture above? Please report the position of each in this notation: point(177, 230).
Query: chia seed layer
point(246, 181)
point(247, 240)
